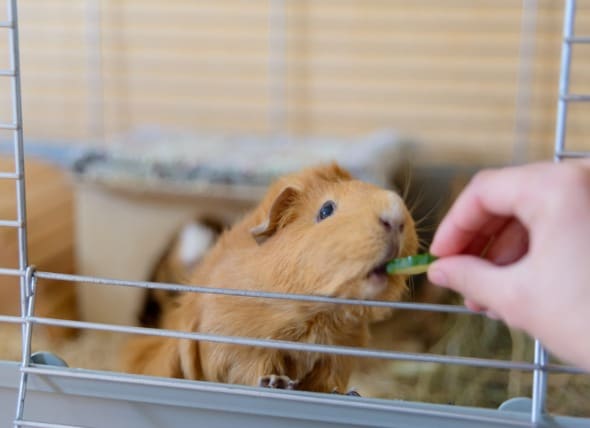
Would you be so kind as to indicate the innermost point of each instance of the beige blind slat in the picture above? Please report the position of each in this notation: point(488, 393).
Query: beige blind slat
point(444, 72)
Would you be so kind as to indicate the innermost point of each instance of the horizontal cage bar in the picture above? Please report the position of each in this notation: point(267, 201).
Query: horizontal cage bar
point(257, 294)
point(578, 39)
point(11, 319)
point(572, 155)
point(296, 346)
point(9, 176)
point(6, 24)
point(9, 126)
point(9, 73)
point(25, 423)
point(11, 272)
point(575, 98)
point(10, 223)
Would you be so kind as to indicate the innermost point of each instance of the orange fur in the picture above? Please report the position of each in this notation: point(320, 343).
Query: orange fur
point(281, 247)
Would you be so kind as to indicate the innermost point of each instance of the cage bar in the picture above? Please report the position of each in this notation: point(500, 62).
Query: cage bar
point(278, 124)
point(25, 423)
point(10, 223)
point(564, 76)
point(571, 155)
point(27, 280)
point(575, 97)
point(297, 346)
point(9, 126)
point(578, 39)
point(9, 176)
point(255, 294)
point(539, 383)
point(12, 272)
point(28, 309)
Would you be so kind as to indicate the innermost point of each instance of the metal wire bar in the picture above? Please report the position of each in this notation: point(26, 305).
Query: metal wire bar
point(575, 97)
point(564, 77)
point(6, 24)
point(10, 223)
point(25, 423)
point(11, 319)
point(17, 119)
point(257, 294)
point(28, 309)
point(297, 346)
point(539, 383)
point(9, 176)
point(26, 281)
point(540, 374)
point(8, 73)
point(12, 272)
point(572, 155)
point(9, 126)
point(578, 39)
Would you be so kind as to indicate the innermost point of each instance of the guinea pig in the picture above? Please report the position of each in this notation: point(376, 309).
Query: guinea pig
point(317, 232)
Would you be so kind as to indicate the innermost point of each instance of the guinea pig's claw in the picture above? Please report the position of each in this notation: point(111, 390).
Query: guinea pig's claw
point(350, 392)
point(277, 382)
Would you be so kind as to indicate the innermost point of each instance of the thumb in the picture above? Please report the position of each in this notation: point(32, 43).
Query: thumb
point(475, 278)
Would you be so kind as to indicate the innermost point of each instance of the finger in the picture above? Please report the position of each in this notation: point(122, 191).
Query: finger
point(482, 240)
point(509, 245)
point(479, 281)
point(473, 306)
point(502, 193)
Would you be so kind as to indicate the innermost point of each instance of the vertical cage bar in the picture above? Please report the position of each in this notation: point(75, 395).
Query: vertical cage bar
point(17, 115)
point(19, 161)
point(539, 384)
point(541, 357)
point(564, 77)
point(29, 292)
point(277, 67)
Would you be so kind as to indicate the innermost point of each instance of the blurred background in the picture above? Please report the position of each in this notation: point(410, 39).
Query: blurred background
point(141, 117)
point(469, 81)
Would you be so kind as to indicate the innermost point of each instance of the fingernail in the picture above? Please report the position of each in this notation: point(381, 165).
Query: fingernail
point(437, 277)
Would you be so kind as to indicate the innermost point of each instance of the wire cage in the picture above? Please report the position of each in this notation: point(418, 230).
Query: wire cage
point(50, 395)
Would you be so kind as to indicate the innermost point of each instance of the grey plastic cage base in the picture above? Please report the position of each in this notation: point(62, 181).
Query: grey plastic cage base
point(104, 403)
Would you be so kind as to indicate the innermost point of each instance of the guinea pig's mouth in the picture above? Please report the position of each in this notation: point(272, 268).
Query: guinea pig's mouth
point(379, 271)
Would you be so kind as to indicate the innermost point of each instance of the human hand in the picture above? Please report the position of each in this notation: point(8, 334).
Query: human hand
point(533, 222)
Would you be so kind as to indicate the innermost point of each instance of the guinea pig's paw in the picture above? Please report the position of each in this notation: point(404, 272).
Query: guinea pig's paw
point(277, 382)
point(351, 392)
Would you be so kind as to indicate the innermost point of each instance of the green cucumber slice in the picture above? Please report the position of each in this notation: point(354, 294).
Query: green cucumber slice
point(412, 265)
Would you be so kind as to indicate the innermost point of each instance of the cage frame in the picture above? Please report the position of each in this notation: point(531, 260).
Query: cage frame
point(35, 378)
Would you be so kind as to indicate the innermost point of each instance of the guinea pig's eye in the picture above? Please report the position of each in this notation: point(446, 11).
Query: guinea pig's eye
point(326, 210)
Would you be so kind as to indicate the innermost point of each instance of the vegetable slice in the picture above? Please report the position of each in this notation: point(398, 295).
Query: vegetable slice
point(412, 265)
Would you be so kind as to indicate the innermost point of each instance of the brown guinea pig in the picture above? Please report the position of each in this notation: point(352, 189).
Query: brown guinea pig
point(318, 232)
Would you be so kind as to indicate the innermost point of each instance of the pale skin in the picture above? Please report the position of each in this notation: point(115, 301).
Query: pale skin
point(516, 244)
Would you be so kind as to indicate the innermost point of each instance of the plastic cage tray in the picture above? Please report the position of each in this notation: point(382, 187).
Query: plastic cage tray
point(100, 399)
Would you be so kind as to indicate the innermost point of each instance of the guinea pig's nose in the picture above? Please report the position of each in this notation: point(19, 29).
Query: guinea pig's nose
point(391, 224)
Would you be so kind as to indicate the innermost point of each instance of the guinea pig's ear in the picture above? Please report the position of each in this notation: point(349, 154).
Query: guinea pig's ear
point(280, 214)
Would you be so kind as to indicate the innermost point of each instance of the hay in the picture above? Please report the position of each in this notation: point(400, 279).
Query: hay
point(464, 335)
